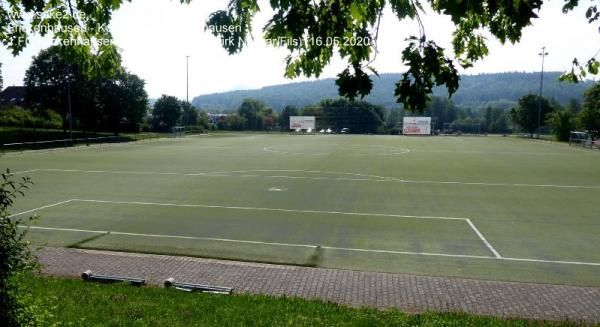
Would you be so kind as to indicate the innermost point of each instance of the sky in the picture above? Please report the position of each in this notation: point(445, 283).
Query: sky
point(155, 36)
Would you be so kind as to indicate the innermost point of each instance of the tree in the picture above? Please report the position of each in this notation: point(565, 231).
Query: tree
point(393, 121)
point(306, 28)
point(526, 113)
point(166, 113)
point(122, 102)
point(311, 31)
point(1, 79)
point(100, 101)
point(441, 110)
point(189, 116)
point(17, 307)
point(574, 106)
point(590, 115)
point(357, 116)
point(48, 79)
point(499, 125)
point(232, 122)
point(284, 116)
point(253, 112)
point(561, 123)
point(203, 120)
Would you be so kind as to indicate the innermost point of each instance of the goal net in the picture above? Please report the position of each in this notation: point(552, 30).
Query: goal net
point(178, 131)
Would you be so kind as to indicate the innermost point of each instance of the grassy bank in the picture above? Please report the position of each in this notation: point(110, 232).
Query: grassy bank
point(79, 303)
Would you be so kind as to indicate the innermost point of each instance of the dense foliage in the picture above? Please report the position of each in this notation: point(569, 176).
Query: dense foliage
point(169, 112)
point(115, 102)
point(501, 90)
point(311, 32)
point(357, 116)
point(21, 117)
point(256, 115)
point(531, 112)
point(590, 115)
point(304, 29)
point(562, 124)
point(16, 259)
point(284, 116)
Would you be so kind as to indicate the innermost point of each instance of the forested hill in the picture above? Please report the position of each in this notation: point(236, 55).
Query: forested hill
point(501, 90)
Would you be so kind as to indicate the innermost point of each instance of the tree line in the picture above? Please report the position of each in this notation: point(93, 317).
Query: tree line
point(364, 117)
point(501, 90)
point(60, 91)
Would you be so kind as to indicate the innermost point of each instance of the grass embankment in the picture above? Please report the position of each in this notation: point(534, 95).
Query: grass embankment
point(90, 304)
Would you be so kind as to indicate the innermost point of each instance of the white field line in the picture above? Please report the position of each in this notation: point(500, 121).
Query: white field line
point(497, 256)
point(40, 208)
point(375, 178)
point(391, 153)
point(25, 172)
point(495, 152)
point(323, 247)
point(468, 221)
point(482, 238)
point(265, 209)
point(593, 187)
point(78, 147)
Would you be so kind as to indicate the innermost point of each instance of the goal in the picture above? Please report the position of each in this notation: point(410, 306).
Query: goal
point(178, 131)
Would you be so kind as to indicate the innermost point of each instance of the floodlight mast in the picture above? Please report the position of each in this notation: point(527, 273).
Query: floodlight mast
point(539, 127)
point(187, 78)
point(67, 72)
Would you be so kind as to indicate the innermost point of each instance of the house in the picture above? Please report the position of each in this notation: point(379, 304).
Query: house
point(13, 95)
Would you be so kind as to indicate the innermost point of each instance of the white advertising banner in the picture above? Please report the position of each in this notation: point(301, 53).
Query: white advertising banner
point(302, 122)
point(416, 126)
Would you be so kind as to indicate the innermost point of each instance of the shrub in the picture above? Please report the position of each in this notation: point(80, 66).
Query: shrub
point(17, 306)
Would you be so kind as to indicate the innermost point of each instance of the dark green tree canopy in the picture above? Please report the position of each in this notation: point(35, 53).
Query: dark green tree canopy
point(254, 113)
point(284, 116)
point(189, 114)
point(590, 115)
point(358, 116)
point(312, 32)
point(562, 123)
point(99, 101)
point(166, 114)
point(526, 113)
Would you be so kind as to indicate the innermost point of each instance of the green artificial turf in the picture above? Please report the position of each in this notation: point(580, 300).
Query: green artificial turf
point(379, 203)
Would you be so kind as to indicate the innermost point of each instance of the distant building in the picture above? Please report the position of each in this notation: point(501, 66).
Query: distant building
point(214, 118)
point(13, 95)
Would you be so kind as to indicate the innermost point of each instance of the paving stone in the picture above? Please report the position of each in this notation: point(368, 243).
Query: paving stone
point(354, 288)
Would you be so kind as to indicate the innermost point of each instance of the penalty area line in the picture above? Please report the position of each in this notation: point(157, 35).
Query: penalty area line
point(266, 209)
point(40, 208)
point(482, 238)
point(463, 256)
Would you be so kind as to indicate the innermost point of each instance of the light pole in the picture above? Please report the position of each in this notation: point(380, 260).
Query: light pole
point(543, 54)
point(70, 111)
point(187, 78)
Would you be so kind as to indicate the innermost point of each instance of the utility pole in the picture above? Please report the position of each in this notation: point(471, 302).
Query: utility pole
point(187, 78)
point(70, 112)
point(543, 54)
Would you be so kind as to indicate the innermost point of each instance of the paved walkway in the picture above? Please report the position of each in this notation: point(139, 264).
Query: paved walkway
point(354, 288)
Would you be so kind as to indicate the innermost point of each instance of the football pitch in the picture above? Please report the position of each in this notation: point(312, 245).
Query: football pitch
point(491, 207)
